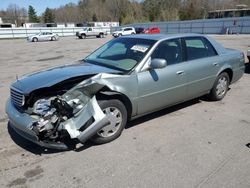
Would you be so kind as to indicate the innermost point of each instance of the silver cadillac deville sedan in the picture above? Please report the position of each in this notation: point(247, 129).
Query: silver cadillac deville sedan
point(125, 78)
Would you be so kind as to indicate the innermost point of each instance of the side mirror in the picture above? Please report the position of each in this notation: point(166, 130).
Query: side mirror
point(158, 63)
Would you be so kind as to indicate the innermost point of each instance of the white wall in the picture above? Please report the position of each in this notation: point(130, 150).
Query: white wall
point(25, 32)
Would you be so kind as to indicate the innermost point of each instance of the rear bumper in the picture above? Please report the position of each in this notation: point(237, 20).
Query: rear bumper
point(238, 73)
point(22, 124)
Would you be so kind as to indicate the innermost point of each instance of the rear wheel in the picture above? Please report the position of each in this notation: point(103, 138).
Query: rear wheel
point(53, 38)
point(220, 87)
point(101, 35)
point(117, 115)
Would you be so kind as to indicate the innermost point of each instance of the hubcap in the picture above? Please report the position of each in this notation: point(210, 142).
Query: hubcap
point(221, 87)
point(115, 117)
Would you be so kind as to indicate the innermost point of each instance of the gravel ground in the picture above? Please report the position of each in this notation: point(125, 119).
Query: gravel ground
point(195, 144)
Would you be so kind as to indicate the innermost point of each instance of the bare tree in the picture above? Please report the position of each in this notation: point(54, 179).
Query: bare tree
point(15, 15)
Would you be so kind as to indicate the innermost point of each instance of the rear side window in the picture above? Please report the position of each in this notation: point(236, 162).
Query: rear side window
point(199, 47)
point(127, 29)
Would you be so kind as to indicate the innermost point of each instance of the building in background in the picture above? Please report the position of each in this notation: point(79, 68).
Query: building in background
point(239, 11)
point(63, 25)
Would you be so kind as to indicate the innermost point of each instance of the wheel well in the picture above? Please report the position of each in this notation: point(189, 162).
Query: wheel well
point(106, 95)
point(229, 72)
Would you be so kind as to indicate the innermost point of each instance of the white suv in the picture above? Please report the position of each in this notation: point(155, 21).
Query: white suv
point(124, 31)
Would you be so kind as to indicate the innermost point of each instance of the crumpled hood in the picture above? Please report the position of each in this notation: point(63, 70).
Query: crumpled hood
point(50, 77)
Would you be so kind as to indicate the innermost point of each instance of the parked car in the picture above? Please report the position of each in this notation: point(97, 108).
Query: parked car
point(152, 30)
point(248, 55)
point(43, 36)
point(124, 31)
point(139, 30)
point(90, 32)
point(126, 78)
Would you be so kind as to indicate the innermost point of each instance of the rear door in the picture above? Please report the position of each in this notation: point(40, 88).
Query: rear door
point(127, 31)
point(49, 36)
point(203, 65)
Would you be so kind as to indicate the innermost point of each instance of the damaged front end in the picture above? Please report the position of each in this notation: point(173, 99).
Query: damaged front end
point(53, 120)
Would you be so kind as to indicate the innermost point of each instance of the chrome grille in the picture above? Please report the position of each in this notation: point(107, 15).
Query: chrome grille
point(17, 97)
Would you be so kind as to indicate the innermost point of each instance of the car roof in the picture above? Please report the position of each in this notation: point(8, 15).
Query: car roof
point(162, 36)
point(127, 27)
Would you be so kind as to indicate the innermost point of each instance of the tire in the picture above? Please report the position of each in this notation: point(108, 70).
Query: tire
point(101, 35)
point(53, 38)
point(34, 39)
point(113, 130)
point(83, 36)
point(119, 35)
point(80, 37)
point(220, 87)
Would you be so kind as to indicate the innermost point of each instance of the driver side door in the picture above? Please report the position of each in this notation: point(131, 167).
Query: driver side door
point(159, 88)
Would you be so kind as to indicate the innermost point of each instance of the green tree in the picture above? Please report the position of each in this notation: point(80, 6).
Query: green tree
point(48, 16)
point(32, 15)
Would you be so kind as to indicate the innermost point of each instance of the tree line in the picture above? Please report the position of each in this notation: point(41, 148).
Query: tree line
point(123, 11)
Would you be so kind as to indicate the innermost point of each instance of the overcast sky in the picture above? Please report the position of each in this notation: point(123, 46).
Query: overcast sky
point(39, 5)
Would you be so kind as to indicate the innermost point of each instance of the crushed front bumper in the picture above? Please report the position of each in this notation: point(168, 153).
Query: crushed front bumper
point(22, 124)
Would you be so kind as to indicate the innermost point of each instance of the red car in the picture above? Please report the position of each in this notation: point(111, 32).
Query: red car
point(152, 30)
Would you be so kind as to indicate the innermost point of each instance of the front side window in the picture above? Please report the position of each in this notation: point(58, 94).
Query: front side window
point(122, 53)
point(199, 47)
point(170, 50)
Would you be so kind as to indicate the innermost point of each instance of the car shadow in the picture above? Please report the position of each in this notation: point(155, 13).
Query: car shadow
point(163, 112)
point(38, 150)
point(247, 68)
point(88, 38)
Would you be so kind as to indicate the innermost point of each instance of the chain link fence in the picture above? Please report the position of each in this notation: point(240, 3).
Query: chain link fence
point(235, 25)
point(25, 32)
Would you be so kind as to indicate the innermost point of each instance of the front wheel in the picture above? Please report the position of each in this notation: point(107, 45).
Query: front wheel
point(83, 36)
point(101, 35)
point(220, 87)
point(117, 114)
point(35, 39)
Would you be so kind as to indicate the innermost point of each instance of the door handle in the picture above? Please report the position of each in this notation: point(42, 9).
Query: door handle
point(180, 72)
point(216, 64)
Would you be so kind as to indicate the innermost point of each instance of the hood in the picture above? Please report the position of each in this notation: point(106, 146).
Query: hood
point(50, 77)
point(117, 32)
point(32, 35)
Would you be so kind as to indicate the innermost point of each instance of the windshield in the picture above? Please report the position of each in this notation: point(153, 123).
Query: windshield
point(122, 53)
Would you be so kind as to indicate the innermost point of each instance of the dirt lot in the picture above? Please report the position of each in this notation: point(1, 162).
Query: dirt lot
point(195, 144)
